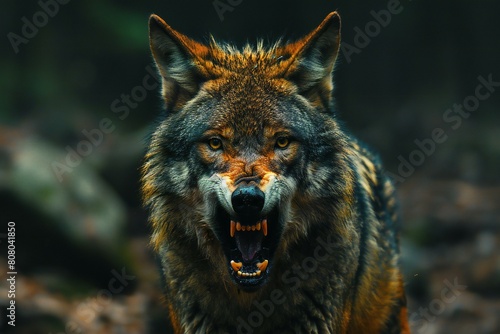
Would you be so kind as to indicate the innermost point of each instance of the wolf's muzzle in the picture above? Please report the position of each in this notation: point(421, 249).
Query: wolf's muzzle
point(247, 201)
point(247, 223)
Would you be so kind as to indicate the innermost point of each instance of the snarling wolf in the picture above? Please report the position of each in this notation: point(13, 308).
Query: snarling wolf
point(267, 216)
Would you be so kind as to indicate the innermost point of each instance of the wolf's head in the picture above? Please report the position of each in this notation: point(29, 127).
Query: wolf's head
point(249, 154)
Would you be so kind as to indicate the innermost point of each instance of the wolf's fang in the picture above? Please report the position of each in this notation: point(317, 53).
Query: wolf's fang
point(262, 265)
point(236, 265)
point(232, 228)
point(264, 227)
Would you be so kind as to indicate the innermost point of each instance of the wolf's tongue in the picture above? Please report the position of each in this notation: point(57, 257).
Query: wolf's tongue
point(249, 243)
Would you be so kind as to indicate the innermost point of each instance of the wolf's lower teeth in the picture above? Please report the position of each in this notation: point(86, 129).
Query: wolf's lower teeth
point(236, 265)
point(257, 273)
point(262, 265)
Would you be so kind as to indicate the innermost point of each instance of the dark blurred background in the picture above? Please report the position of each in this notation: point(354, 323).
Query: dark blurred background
point(406, 69)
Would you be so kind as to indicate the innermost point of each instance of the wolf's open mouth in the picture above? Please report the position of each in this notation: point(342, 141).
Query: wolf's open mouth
point(249, 244)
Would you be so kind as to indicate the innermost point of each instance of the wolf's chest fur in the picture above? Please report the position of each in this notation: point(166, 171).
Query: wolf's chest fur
point(267, 216)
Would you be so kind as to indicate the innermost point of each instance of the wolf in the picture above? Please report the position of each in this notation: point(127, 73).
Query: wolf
point(267, 215)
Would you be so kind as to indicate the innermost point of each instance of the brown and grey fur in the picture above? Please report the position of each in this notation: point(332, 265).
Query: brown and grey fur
point(330, 190)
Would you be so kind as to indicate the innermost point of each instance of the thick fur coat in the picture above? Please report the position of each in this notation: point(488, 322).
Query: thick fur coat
point(267, 215)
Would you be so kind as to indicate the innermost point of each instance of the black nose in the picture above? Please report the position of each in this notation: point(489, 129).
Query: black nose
point(247, 201)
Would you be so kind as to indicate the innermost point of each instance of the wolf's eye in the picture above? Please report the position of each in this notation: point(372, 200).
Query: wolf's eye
point(215, 144)
point(282, 142)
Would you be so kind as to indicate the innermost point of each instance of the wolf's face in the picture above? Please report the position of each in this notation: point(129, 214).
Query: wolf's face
point(244, 134)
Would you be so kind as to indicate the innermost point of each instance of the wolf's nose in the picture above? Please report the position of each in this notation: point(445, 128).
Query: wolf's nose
point(247, 201)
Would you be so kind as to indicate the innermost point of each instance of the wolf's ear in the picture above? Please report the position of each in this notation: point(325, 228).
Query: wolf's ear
point(179, 60)
point(312, 59)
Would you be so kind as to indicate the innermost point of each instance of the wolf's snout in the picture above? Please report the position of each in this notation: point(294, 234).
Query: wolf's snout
point(247, 201)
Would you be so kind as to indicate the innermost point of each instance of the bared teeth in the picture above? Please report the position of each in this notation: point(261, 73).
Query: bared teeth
point(256, 273)
point(232, 228)
point(236, 226)
point(262, 265)
point(236, 265)
point(264, 226)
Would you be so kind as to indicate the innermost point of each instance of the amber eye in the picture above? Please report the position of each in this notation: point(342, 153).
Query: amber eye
point(282, 142)
point(215, 144)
